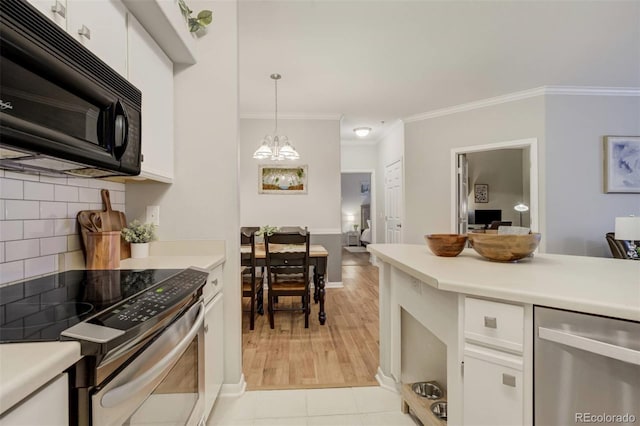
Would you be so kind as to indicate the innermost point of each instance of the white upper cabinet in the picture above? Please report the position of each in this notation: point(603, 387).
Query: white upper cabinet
point(101, 26)
point(151, 71)
point(56, 10)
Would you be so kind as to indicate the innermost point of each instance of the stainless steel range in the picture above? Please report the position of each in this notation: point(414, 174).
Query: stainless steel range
point(141, 334)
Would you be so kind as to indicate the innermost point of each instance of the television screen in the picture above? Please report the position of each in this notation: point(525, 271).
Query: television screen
point(485, 217)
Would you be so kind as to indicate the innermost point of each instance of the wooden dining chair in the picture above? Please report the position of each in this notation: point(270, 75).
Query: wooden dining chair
point(288, 271)
point(251, 276)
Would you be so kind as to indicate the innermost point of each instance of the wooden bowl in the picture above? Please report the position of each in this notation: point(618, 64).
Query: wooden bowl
point(504, 248)
point(446, 245)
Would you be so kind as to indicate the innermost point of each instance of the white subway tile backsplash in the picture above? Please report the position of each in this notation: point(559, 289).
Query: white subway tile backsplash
point(119, 207)
point(11, 230)
point(53, 210)
point(21, 176)
point(65, 226)
point(1, 209)
point(11, 189)
point(117, 197)
point(1, 252)
point(38, 191)
point(73, 242)
point(74, 208)
point(96, 206)
point(53, 245)
point(78, 182)
point(19, 209)
point(22, 249)
point(38, 228)
point(40, 265)
point(11, 271)
point(105, 184)
point(89, 195)
point(62, 180)
point(66, 193)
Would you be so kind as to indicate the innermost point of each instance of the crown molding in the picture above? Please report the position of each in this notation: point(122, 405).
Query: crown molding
point(291, 116)
point(525, 94)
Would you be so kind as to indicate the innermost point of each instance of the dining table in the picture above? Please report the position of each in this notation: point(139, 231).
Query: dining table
point(318, 256)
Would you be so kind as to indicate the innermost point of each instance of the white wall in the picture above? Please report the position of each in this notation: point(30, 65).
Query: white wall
point(38, 219)
point(352, 198)
point(318, 143)
point(502, 171)
point(579, 213)
point(202, 203)
point(358, 156)
point(428, 145)
point(391, 147)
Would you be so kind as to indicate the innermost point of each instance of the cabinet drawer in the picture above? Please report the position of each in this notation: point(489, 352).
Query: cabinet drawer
point(493, 392)
point(498, 325)
point(214, 284)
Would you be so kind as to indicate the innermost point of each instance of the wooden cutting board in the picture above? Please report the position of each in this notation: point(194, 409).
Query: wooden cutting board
point(106, 220)
point(115, 220)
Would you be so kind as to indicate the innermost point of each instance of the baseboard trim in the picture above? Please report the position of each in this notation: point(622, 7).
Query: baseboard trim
point(386, 382)
point(230, 390)
point(334, 284)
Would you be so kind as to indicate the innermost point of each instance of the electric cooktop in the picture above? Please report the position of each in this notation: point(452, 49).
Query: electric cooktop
point(40, 309)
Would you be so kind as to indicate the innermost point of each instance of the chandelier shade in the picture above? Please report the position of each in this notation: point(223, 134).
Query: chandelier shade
point(276, 147)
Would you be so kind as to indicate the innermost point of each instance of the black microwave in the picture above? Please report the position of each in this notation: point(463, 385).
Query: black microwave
point(62, 110)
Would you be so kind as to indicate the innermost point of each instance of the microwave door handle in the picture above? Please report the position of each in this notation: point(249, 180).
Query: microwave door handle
point(590, 345)
point(122, 393)
point(121, 131)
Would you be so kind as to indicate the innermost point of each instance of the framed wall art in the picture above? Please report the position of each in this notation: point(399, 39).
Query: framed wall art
point(481, 191)
point(622, 164)
point(282, 179)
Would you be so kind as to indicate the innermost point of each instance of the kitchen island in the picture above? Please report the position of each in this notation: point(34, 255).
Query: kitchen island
point(429, 304)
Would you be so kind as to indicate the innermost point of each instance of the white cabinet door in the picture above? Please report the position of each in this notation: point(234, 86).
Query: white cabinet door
point(56, 10)
point(213, 352)
point(492, 393)
point(48, 406)
point(151, 71)
point(103, 25)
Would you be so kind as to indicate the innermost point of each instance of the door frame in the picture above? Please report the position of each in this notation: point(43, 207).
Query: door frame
point(532, 145)
point(372, 191)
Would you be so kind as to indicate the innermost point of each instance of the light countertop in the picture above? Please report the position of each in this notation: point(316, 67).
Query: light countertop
point(609, 287)
point(25, 367)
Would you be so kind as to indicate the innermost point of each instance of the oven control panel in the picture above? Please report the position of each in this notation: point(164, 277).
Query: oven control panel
point(157, 299)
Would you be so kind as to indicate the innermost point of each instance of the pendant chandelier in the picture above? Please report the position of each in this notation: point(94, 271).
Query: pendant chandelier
point(276, 147)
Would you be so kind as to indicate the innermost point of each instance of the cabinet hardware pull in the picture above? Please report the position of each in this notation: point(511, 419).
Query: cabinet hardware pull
point(509, 380)
point(490, 322)
point(59, 9)
point(85, 32)
point(215, 282)
point(206, 328)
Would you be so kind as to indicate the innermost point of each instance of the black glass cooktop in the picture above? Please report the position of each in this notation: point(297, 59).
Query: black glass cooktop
point(40, 309)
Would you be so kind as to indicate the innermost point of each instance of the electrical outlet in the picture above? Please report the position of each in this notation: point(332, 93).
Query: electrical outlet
point(153, 215)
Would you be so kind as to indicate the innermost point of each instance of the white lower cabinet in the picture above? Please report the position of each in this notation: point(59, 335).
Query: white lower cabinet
point(47, 406)
point(493, 390)
point(213, 351)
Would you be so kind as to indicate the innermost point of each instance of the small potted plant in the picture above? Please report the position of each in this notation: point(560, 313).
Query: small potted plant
point(139, 235)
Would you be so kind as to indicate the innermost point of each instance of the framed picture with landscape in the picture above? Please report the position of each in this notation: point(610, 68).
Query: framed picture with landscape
point(622, 164)
point(282, 179)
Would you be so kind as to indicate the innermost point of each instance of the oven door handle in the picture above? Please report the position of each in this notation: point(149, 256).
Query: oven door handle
point(608, 350)
point(122, 393)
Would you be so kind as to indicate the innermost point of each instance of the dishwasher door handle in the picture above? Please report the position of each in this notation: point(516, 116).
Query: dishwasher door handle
point(590, 345)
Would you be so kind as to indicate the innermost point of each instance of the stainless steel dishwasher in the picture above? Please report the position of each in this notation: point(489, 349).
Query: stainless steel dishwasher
point(586, 369)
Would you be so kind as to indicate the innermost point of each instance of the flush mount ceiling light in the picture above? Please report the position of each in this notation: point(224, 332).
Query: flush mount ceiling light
point(276, 147)
point(362, 131)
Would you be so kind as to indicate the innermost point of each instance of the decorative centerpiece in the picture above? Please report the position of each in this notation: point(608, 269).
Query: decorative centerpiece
point(504, 248)
point(446, 245)
point(139, 235)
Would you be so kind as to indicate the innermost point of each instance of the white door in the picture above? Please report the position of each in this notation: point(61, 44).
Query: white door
point(463, 192)
point(393, 202)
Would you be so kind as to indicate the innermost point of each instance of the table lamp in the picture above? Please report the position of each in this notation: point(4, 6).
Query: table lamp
point(628, 229)
point(520, 208)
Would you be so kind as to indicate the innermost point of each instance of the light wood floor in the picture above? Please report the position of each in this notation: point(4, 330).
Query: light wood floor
point(341, 353)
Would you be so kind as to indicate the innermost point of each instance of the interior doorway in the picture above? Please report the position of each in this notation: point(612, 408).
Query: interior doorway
point(357, 211)
point(393, 202)
point(495, 182)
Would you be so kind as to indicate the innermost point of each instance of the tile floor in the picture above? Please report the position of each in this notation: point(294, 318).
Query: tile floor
point(362, 406)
